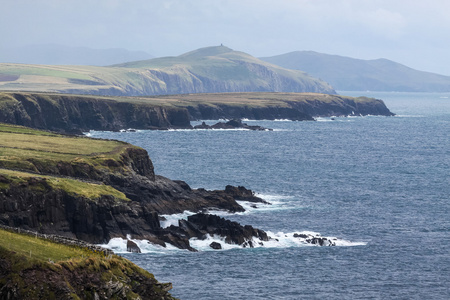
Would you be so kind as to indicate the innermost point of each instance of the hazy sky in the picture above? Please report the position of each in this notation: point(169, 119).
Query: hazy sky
point(412, 32)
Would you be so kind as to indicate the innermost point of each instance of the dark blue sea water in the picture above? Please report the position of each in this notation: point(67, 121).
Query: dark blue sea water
point(379, 184)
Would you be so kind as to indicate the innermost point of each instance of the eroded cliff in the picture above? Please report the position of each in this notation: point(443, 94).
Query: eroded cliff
point(76, 113)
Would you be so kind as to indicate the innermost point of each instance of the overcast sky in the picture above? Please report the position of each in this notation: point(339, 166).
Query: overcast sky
point(413, 32)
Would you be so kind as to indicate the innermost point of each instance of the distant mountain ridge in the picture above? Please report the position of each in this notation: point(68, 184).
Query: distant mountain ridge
point(53, 54)
point(206, 70)
point(350, 74)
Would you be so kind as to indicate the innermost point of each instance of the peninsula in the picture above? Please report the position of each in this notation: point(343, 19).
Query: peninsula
point(80, 113)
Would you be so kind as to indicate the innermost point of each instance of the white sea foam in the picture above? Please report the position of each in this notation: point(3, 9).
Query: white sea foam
point(409, 116)
point(174, 218)
point(119, 245)
point(277, 240)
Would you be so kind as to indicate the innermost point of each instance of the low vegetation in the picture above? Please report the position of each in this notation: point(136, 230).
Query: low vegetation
point(37, 151)
point(87, 190)
point(35, 268)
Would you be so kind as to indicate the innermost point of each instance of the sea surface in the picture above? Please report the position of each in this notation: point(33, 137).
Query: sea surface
point(380, 185)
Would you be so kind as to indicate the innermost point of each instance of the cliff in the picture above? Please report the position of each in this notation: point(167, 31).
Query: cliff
point(74, 114)
point(77, 113)
point(92, 189)
point(35, 268)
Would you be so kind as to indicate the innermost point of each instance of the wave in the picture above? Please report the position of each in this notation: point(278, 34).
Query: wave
point(168, 220)
point(275, 202)
point(277, 240)
point(409, 116)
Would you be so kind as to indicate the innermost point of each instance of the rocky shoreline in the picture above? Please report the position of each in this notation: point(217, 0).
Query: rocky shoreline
point(75, 114)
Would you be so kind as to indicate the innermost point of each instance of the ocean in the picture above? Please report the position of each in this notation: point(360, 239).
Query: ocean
point(379, 185)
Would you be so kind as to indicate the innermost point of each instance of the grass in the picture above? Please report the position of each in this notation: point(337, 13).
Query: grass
point(36, 268)
point(56, 144)
point(26, 149)
point(7, 128)
point(220, 64)
point(74, 187)
point(39, 249)
point(43, 70)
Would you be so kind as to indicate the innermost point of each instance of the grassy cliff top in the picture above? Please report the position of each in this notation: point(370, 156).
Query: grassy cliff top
point(34, 268)
point(250, 99)
point(26, 149)
point(74, 187)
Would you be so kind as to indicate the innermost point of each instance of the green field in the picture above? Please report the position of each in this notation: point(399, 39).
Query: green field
point(40, 249)
point(26, 149)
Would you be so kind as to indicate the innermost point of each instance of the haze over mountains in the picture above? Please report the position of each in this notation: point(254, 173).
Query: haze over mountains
point(53, 54)
point(206, 70)
point(349, 74)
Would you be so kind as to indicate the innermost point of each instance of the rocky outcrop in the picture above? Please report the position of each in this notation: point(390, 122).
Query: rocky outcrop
point(232, 124)
point(315, 239)
point(34, 205)
point(133, 247)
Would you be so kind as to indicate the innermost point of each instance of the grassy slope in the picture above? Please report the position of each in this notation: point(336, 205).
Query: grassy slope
point(216, 63)
point(25, 150)
point(39, 269)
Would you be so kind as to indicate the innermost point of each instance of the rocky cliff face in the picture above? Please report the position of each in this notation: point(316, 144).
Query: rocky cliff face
point(34, 204)
point(342, 106)
point(74, 114)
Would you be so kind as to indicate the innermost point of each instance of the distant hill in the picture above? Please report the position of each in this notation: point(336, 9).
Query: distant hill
point(52, 54)
point(349, 74)
point(206, 70)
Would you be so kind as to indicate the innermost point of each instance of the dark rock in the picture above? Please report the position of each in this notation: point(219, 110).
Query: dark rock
point(232, 124)
point(242, 193)
point(315, 240)
point(202, 126)
point(133, 247)
point(233, 232)
point(215, 245)
point(298, 235)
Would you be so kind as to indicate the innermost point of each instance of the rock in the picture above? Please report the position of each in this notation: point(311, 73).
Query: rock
point(242, 193)
point(215, 245)
point(232, 124)
point(133, 247)
point(233, 232)
point(315, 240)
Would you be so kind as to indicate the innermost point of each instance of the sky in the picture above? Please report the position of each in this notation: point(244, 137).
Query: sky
point(412, 32)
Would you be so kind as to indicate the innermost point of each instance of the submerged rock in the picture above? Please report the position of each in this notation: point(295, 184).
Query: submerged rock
point(216, 245)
